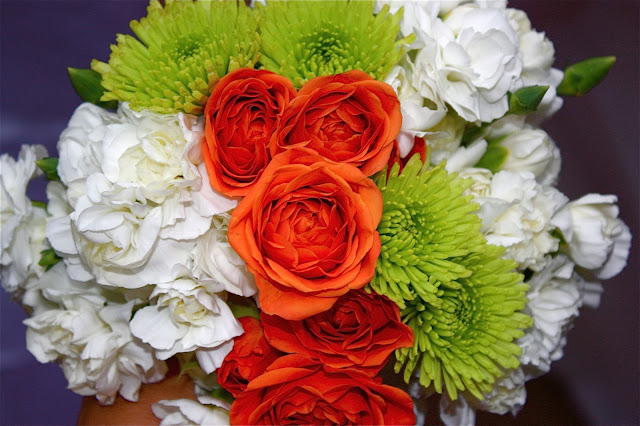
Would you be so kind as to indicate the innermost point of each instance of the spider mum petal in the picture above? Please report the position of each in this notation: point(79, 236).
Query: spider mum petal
point(182, 50)
point(463, 300)
point(306, 39)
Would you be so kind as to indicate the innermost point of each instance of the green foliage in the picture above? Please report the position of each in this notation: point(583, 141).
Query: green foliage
point(493, 158)
point(48, 259)
point(526, 99)
point(189, 367)
point(243, 307)
point(87, 84)
point(49, 165)
point(583, 76)
point(221, 394)
point(39, 204)
point(473, 133)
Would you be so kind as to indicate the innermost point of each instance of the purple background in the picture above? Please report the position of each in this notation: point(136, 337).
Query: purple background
point(598, 135)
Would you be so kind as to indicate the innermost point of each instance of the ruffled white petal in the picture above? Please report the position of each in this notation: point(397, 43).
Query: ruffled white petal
point(189, 412)
point(597, 239)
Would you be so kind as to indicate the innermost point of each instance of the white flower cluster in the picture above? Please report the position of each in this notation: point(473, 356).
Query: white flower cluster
point(145, 264)
point(467, 56)
point(23, 224)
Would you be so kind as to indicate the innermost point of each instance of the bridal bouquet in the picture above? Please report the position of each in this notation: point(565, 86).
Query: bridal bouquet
point(291, 197)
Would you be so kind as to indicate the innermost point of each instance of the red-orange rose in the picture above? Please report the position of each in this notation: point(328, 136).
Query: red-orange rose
point(360, 330)
point(297, 390)
point(307, 231)
point(241, 115)
point(347, 117)
point(250, 356)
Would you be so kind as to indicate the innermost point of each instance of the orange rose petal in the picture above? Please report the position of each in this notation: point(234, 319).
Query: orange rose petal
point(294, 384)
point(378, 162)
point(290, 304)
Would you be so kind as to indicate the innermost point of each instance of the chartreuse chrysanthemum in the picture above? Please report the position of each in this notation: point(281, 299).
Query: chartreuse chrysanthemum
point(306, 39)
point(461, 299)
point(184, 48)
point(426, 225)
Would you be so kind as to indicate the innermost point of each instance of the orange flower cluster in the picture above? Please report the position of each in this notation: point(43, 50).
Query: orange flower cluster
point(306, 226)
point(322, 369)
point(297, 390)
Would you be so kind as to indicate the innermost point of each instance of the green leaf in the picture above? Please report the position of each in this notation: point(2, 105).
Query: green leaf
point(188, 366)
point(496, 140)
point(557, 233)
point(473, 133)
point(48, 259)
point(583, 76)
point(221, 394)
point(87, 84)
point(526, 99)
point(243, 307)
point(49, 165)
point(39, 204)
point(494, 158)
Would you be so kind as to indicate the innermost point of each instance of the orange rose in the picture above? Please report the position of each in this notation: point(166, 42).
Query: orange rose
point(348, 118)
point(296, 390)
point(307, 231)
point(241, 115)
point(250, 356)
point(360, 331)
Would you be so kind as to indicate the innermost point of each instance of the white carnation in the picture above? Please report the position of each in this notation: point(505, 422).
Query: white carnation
point(189, 412)
point(516, 213)
point(447, 6)
point(529, 149)
point(79, 146)
point(452, 65)
point(455, 413)
point(532, 150)
point(418, 116)
point(464, 158)
point(597, 239)
point(478, 62)
point(554, 301)
point(538, 55)
point(216, 261)
point(417, 14)
point(22, 224)
point(556, 294)
point(91, 342)
point(185, 317)
point(508, 394)
point(139, 192)
point(57, 205)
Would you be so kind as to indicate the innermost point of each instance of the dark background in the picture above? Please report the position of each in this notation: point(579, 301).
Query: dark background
point(597, 134)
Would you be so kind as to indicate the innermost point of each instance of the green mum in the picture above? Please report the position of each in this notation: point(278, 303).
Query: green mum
point(184, 49)
point(426, 225)
point(306, 39)
point(461, 299)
